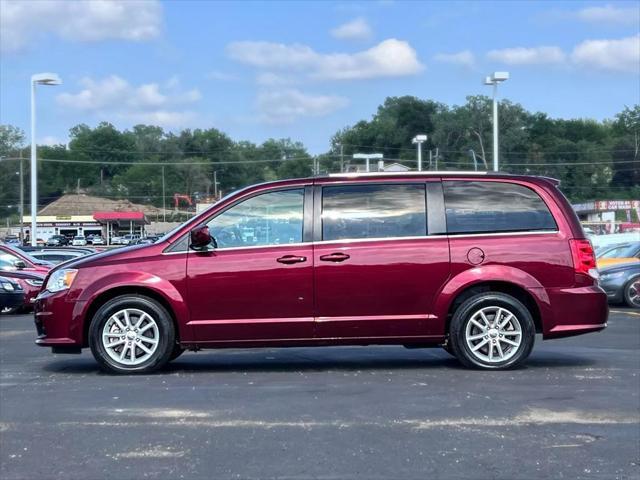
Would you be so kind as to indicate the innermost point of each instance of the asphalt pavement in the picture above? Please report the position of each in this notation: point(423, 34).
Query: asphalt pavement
point(573, 411)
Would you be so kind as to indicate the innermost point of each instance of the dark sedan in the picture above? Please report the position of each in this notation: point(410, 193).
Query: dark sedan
point(622, 283)
point(11, 295)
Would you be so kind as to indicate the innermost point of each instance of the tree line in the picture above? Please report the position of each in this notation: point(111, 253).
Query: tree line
point(592, 159)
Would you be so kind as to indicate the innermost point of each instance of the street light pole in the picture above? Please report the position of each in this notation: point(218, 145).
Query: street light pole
point(419, 140)
point(37, 79)
point(494, 80)
point(21, 199)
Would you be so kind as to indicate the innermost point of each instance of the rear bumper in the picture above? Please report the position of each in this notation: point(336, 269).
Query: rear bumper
point(57, 320)
point(574, 311)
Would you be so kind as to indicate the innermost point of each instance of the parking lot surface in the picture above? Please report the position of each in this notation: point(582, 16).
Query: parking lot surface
point(573, 411)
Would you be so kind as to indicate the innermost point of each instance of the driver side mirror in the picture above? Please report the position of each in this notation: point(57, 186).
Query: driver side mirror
point(19, 264)
point(201, 238)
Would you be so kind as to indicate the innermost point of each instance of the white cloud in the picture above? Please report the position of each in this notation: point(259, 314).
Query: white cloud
point(610, 14)
point(270, 79)
point(22, 22)
point(387, 59)
point(356, 29)
point(285, 106)
point(464, 58)
point(621, 55)
point(528, 56)
point(113, 96)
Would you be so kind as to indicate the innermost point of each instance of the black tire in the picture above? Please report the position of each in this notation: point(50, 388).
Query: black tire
point(630, 288)
point(166, 334)
point(177, 351)
point(464, 314)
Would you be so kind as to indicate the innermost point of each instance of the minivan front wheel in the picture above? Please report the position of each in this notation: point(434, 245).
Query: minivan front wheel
point(492, 331)
point(131, 334)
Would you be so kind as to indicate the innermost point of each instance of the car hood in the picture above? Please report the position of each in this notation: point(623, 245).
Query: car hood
point(620, 267)
point(122, 253)
point(23, 275)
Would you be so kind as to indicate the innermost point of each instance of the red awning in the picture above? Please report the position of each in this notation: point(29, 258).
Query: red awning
point(119, 217)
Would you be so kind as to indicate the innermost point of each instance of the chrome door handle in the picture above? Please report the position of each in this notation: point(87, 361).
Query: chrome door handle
point(335, 257)
point(291, 259)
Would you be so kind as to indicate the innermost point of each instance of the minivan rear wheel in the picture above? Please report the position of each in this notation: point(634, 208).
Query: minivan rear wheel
point(131, 334)
point(492, 331)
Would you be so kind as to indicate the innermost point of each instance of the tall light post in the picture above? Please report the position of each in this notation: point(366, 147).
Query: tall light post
point(37, 79)
point(368, 157)
point(495, 79)
point(419, 140)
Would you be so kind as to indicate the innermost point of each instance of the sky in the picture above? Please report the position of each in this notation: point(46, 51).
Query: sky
point(304, 70)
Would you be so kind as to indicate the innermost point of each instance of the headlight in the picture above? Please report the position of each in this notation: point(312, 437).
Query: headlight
point(61, 279)
point(7, 286)
point(34, 283)
point(611, 276)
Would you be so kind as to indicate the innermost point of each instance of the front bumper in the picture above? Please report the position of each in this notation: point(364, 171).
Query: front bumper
point(11, 299)
point(58, 320)
point(614, 288)
point(574, 311)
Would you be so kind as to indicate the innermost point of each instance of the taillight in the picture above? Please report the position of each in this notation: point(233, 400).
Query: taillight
point(584, 258)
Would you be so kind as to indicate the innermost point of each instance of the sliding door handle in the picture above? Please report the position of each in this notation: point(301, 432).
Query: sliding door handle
point(335, 257)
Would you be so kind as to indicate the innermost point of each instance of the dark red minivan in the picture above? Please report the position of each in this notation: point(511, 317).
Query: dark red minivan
point(475, 263)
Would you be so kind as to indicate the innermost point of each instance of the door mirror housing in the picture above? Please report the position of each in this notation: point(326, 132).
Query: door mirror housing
point(201, 239)
point(19, 264)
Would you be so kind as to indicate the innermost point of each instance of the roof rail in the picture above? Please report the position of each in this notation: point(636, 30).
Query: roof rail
point(429, 172)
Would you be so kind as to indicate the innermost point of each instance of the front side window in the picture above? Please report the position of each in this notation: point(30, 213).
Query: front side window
point(373, 211)
point(273, 218)
point(490, 207)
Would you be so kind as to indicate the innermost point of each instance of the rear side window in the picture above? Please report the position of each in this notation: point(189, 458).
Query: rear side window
point(373, 211)
point(488, 207)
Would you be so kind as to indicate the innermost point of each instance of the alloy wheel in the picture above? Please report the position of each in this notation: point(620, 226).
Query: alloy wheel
point(130, 336)
point(493, 334)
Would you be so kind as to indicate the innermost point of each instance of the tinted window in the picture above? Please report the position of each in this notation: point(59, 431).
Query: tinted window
point(481, 207)
point(373, 211)
point(272, 218)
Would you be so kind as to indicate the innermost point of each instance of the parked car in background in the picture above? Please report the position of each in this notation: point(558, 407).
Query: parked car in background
point(116, 240)
point(56, 256)
point(57, 241)
point(11, 295)
point(31, 284)
point(12, 240)
point(621, 282)
point(130, 239)
point(98, 240)
point(79, 240)
point(620, 253)
point(474, 263)
point(147, 240)
point(16, 259)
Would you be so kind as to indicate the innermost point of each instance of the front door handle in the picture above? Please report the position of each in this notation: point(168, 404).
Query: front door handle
point(291, 259)
point(335, 257)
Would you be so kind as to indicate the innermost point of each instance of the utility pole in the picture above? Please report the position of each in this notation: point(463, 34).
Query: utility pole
point(215, 184)
point(341, 158)
point(164, 210)
point(21, 199)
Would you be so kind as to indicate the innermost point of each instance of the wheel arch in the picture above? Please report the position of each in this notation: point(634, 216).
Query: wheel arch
point(498, 278)
point(121, 290)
